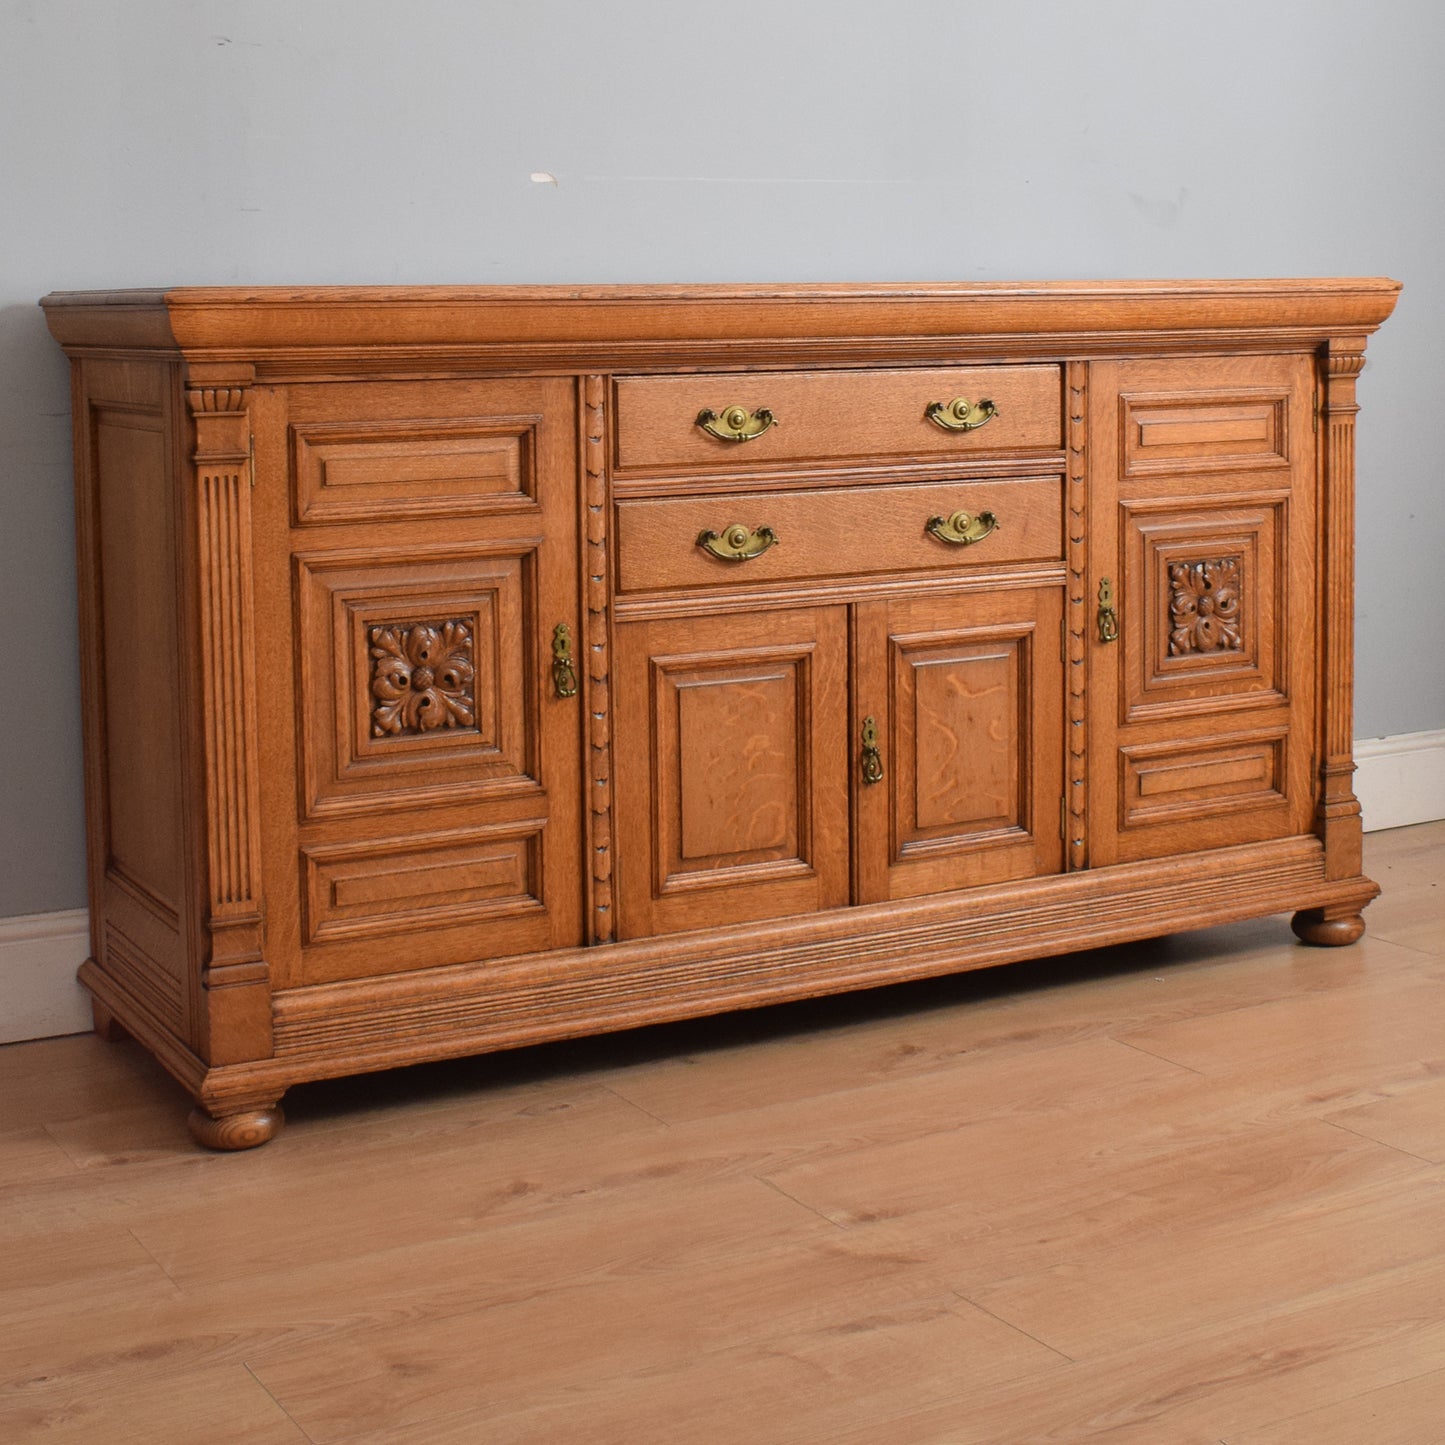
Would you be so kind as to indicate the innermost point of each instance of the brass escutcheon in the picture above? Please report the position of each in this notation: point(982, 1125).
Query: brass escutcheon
point(564, 676)
point(1108, 618)
point(872, 758)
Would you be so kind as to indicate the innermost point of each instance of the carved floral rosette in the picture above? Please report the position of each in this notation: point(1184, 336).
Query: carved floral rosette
point(421, 678)
point(1204, 607)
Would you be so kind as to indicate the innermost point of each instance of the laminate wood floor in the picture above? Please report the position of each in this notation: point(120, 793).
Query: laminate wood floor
point(1188, 1190)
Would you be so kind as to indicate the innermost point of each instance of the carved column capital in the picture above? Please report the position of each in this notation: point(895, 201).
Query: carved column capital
point(1345, 358)
point(217, 400)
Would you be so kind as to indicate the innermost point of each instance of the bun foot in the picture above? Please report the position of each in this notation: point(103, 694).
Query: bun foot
point(1326, 928)
point(236, 1131)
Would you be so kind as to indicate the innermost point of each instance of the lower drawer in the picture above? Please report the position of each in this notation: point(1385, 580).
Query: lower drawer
point(785, 536)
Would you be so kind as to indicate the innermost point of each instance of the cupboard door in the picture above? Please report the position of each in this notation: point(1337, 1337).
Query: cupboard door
point(423, 798)
point(730, 754)
point(965, 694)
point(1202, 520)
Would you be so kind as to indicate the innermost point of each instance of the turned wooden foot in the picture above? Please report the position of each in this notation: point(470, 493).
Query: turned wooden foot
point(106, 1025)
point(244, 1130)
point(1327, 927)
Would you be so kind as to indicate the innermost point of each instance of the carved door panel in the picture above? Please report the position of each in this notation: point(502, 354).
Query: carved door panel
point(730, 754)
point(1201, 722)
point(964, 698)
point(422, 790)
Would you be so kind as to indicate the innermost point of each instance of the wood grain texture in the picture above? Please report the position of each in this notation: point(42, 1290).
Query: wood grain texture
point(968, 693)
point(1212, 555)
point(822, 416)
point(879, 1219)
point(848, 531)
point(344, 814)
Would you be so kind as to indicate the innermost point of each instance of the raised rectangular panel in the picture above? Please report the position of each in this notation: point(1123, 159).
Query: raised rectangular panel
point(1209, 431)
point(414, 678)
point(395, 470)
point(737, 802)
point(1205, 602)
point(958, 726)
point(392, 886)
point(1162, 782)
point(733, 784)
point(966, 691)
point(137, 580)
point(731, 765)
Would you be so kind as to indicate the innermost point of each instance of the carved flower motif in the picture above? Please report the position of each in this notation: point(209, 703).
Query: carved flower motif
point(421, 678)
point(1204, 607)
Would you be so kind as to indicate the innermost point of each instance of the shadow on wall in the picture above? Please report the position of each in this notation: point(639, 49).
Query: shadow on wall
point(41, 817)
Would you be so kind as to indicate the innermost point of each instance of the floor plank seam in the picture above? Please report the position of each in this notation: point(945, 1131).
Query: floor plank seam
point(1362, 1395)
point(1369, 1138)
point(1382, 932)
point(633, 1104)
point(1149, 1054)
point(151, 1255)
point(305, 1433)
point(60, 1144)
point(1017, 1329)
point(778, 1189)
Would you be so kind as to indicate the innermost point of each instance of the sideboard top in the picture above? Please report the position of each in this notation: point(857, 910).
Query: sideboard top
point(592, 322)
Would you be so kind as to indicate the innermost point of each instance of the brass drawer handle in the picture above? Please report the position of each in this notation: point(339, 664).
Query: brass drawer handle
point(872, 759)
point(1108, 618)
point(736, 423)
point(960, 414)
point(962, 529)
point(564, 676)
point(736, 543)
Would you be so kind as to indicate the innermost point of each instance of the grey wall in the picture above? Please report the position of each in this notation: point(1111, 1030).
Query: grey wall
point(147, 142)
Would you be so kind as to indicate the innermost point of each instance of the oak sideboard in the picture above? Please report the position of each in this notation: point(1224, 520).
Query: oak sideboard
point(470, 667)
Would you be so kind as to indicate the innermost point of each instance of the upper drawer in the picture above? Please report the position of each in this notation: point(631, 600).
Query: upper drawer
point(840, 532)
point(824, 416)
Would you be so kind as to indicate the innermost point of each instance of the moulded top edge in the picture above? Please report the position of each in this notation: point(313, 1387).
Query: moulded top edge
point(240, 317)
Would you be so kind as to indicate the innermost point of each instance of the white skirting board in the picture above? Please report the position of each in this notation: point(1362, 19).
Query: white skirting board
point(39, 996)
point(1400, 780)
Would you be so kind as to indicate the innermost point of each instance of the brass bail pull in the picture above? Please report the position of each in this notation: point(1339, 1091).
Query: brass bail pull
point(872, 758)
point(960, 414)
point(736, 543)
point(736, 423)
point(1108, 617)
point(962, 529)
point(564, 675)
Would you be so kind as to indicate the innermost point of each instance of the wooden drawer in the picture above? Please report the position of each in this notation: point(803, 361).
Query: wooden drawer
point(836, 532)
point(828, 416)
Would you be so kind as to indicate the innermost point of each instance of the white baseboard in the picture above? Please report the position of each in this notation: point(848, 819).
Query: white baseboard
point(39, 996)
point(1401, 780)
